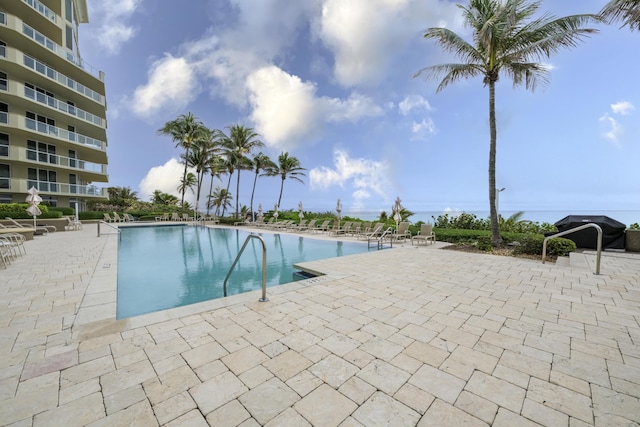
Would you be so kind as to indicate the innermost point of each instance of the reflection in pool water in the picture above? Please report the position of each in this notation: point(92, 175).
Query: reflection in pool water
point(170, 266)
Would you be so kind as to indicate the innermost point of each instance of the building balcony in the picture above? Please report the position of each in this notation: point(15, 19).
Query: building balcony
point(42, 9)
point(88, 170)
point(53, 188)
point(64, 134)
point(64, 107)
point(59, 50)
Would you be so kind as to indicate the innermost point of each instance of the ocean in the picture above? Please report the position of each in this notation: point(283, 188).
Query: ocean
point(627, 217)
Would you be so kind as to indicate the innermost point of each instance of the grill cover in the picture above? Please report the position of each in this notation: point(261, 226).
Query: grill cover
point(612, 231)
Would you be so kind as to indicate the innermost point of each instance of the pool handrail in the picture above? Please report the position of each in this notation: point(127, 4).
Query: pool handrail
point(264, 266)
point(581, 227)
point(115, 228)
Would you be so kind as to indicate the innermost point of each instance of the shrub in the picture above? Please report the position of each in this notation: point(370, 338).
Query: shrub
point(64, 211)
point(559, 246)
point(484, 243)
point(19, 211)
point(532, 245)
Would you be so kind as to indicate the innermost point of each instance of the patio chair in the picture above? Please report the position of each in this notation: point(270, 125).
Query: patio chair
point(302, 225)
point(46, 229)
point(13, 243)
point(117, 218)
point(129, 217)
point(311, 225)
point(338, 230)
point(324, 226)
point(175, 216)
point(402, 233)
point(72, 224)
point(107, 218)
point(186, 217)
point(5, 251)
point(425, 234)
point(362, 229)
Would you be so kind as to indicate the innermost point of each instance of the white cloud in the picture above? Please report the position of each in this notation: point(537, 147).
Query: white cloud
point(113, 17)
point(364, 176)
point(425, 126)
point(171, 82)
point(366, 35)
point(165, 178)
point(615, 130)
point(287, 112)
point(413, 102)
point(623, 108)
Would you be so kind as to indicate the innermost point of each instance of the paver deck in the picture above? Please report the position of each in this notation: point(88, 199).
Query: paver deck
point(401, 337)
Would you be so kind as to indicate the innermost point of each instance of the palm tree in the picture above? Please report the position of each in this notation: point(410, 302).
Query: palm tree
point(627, 11)
point(184, 131)
point(189, 182)
point(160, 198)
point(287, 167)
point(240, 142)
point(204, 148)
point(507, 41)
point(220, 198)
point(216, 167)
point(261, 162)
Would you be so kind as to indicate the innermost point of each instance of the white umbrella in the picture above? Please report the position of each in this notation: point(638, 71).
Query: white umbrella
point(34, 200)
point(300, 210)
point(397, 208)
point(339, 210)
point(275, 214)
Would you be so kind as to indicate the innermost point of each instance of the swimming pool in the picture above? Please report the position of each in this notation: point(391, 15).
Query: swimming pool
point(163, 267)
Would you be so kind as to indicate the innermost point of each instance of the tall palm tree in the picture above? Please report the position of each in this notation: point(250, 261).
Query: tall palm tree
point(239, 144)
point(184, 131)
point(287, 167)
point(203, 149)
point(627, 11)
point(261, 163)
point(507, 40)
point(160, 198)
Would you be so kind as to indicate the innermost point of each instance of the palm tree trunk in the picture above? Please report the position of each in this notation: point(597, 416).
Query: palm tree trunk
point(224, 206)
point(209, 198)
point(184, 179)
point(237, 193)
point(496, 240)
point(281, 187)
point(252, 193)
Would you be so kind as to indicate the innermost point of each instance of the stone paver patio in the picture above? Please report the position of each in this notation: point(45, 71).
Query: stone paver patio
point(401, 337)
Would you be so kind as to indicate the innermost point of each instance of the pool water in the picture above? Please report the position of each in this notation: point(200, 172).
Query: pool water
point(163, 267)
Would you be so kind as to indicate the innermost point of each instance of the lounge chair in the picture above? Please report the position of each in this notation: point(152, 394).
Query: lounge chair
point(107, 218)
point(362, 229)
point(13, 243)
point(6, 254)
point(302, 225)
point(324, 226)
point(46, 229)
point(72, 224)
point(186, 217)
point(129, 217)
point(425, 234)
point(402, 233)
point(311, 225)
point(175, 216)
point(341, 230)
point(117, 218)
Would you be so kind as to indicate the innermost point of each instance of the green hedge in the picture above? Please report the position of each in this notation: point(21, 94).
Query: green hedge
point(19, 211)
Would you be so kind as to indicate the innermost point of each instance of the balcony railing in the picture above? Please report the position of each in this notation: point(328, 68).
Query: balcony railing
point(67, 162)
point(57, 188)
point(59, 50)
point(42, 9)
point(64, 134)
point(63, 106)
point(66, 189)
point(41, 68)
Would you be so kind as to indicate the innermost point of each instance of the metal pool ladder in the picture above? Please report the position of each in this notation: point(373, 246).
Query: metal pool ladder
point(581, 227)
point(264, 266)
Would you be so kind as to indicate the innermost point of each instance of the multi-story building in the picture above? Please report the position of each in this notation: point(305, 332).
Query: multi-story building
point(53, 128)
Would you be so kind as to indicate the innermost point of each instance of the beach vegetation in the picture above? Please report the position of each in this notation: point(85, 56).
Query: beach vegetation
point(626, 12)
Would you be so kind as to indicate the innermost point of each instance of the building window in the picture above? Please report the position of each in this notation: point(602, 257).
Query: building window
point(5, 198)
point(68, 10)
point(41, 152)
point(4, 112)
point(73, 181)
point(4, 83)
point(3, 49)
point(4, 145)
point(40, 94)
point(42, 179)
point(5, 176)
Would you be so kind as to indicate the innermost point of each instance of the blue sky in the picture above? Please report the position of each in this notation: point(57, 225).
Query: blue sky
point(330, 81)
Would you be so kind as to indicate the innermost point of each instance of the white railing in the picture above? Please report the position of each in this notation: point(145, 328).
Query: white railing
point(573, 230)
point(42, 9)
point(44, 69)
point(63, 106)
point(64, 134)
point(58, 50)
point(67, 162)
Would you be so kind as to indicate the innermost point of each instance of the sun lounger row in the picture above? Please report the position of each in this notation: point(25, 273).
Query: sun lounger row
point(117, 218)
